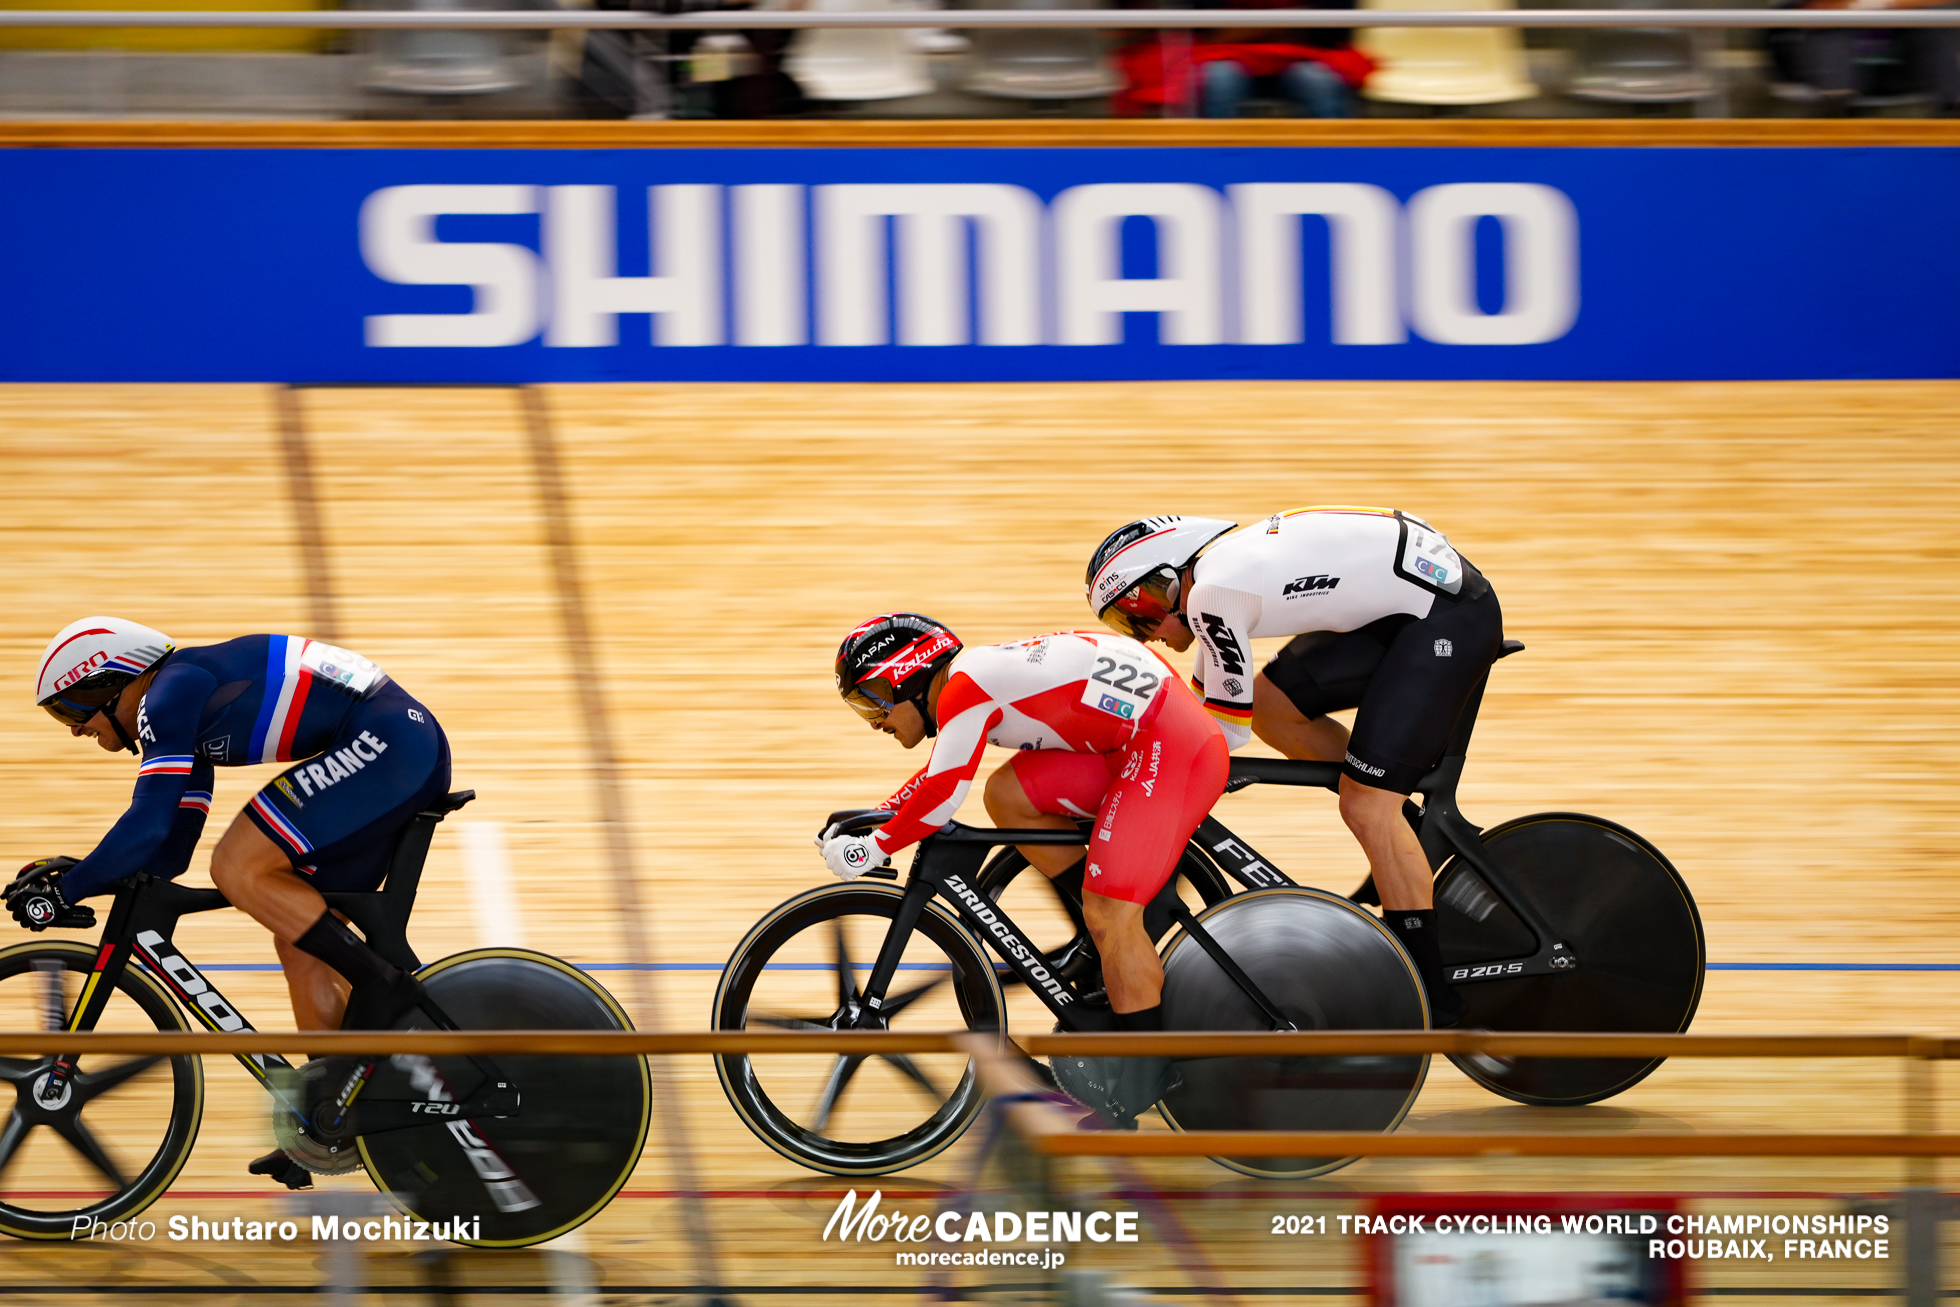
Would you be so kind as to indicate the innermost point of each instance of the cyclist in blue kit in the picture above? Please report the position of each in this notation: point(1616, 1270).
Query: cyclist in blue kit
point(366, 758)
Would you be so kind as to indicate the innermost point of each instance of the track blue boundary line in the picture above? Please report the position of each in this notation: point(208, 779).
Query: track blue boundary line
point(928, 966)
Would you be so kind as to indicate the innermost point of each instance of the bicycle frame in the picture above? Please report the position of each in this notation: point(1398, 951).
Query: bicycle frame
point(144, 917)
point(948, 864)
point(1439, 824)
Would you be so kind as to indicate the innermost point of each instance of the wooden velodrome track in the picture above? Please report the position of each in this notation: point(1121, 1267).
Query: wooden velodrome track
point(1737, 601)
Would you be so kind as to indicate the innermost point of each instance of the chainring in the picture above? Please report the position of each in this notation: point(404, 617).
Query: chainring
point(1077, 1077)
point(321, 1158)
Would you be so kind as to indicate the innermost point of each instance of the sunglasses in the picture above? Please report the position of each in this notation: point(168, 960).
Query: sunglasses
point(1138, 611)
point(867, 703)
point(77, 709)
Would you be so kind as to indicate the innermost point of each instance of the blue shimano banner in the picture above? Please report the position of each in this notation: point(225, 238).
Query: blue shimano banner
point(321, 265)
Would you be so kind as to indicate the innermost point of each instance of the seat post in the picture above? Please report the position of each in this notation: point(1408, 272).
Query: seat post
point(383, 915)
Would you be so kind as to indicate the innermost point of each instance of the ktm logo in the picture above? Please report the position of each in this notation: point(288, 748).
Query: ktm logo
point(1224, 643)
point(1308, 585)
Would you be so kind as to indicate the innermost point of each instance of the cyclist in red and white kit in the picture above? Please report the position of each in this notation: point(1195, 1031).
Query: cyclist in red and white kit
point(1386, 617)
point(1102, 729)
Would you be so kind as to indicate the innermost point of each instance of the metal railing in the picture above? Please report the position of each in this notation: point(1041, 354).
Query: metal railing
point(1098, 19)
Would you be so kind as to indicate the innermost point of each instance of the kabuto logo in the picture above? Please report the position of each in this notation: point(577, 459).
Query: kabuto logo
point(1308, 585)
point(1224, 644)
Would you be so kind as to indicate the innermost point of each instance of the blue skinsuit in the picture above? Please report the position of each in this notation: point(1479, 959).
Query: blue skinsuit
point(370, 757)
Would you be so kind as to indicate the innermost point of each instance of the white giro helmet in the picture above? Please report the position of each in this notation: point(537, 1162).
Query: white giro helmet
point(1132, 580)
point(89, 662)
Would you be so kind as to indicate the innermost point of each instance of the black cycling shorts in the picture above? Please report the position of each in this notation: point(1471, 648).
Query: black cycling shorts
point(339, 815)
point(1409, 676)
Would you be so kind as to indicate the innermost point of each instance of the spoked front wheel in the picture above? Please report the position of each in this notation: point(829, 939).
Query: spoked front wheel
point(109, 1143)
point(804, 967)
point(1628, 918)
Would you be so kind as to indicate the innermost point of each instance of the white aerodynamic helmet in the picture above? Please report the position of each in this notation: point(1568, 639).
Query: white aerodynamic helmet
point(1132, 580)
point(89, 662)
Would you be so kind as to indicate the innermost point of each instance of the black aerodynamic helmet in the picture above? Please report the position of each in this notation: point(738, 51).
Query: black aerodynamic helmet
point(890, 660)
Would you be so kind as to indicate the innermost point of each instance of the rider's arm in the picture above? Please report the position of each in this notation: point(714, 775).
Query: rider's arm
point(929, 800)
point(166, 725)
point(174, 854)
point(1223, 619)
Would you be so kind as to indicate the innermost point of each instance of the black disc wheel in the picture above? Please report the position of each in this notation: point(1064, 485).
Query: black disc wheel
point(804, 967)
point(581, 1124)
point(1628, 919)
point(109, 1143)
point(1326, 965)
point(1055, 923)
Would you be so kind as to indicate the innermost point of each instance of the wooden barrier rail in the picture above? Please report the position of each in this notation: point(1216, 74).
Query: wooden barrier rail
point(1052, 1133)
point(1310, 1043)
point(1015, 133)
point(1057, 1141)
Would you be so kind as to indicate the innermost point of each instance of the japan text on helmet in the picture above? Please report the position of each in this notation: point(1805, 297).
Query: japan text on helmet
point(890, 660)
point(89, 662)
point(1133, 578)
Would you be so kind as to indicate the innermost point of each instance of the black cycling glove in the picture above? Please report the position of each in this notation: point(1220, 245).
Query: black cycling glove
point(36, 900)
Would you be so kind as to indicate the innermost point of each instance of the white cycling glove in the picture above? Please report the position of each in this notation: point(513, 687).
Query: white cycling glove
point(850, 856)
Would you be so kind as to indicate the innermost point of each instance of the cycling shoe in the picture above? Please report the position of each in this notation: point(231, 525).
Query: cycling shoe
point(1116, 1088)
point(280, 1165)
point(1446, 1007)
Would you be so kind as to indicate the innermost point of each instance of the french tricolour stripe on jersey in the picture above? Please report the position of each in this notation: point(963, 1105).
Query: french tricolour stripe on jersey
point(283, 828)
point(170, 764)
point(286, 684)
point(195, 799)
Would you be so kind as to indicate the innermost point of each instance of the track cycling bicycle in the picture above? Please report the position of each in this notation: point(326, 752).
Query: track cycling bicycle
point(1556, 921)
point(529, 1145)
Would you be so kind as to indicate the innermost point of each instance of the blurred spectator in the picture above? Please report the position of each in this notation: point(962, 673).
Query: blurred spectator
point(720, 74)
point(1217, 72)
point(1840, 64)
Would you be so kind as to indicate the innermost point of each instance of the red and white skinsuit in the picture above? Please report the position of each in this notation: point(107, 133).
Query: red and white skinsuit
point(1105, 729)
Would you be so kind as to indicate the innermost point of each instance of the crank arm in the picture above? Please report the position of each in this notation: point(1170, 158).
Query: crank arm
point(1555, 961)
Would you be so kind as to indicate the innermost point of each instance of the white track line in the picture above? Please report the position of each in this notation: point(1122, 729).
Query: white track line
point(493, 897)
point(493, 894)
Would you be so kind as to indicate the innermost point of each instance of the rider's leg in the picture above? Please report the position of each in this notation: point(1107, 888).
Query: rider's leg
point(1395, 858)
point(1165, 782)
point(258, 877)
point(1278, 721)
point(1131, 970)
point(318, 992)
point(1008, 805)
point(1402, 877)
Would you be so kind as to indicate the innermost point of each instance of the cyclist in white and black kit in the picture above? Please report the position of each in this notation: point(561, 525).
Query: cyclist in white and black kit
point(1386, 617)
